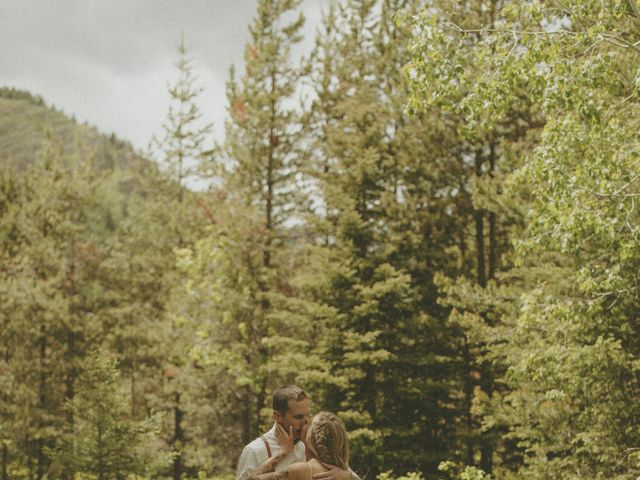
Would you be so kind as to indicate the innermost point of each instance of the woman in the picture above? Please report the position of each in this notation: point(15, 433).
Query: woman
point(325, 445)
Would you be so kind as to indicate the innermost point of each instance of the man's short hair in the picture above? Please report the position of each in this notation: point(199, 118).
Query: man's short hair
point(281, 397)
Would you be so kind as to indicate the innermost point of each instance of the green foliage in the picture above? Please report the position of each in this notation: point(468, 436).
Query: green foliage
point(76, 276)
point(572, 61)
point(388, 475)
point(458, 72)
point(260, 177)
point(50, 292)
point(104, 442)
point(465, 473)
point(6, 92)
point(583, 176)
point(381, 234)
point(445, 254)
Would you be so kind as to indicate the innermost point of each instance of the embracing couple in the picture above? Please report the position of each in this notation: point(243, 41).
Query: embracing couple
point(295, 448)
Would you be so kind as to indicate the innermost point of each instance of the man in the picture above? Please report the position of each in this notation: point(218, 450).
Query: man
point(291, 415)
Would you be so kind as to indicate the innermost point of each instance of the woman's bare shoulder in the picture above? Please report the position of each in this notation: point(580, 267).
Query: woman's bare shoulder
point(317, 467)
point(299, 471)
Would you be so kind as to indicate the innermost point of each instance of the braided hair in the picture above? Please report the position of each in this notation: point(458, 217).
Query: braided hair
point(327, 440)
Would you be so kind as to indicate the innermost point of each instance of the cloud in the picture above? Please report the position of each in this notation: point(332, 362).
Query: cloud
point(108, 63)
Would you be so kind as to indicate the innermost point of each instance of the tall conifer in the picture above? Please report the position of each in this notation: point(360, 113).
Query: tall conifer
point(262, 146)
point(182, 146)
point(383, 233)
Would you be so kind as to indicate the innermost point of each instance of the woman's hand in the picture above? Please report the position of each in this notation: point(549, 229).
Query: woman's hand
point(285, 439)
point(303, 432)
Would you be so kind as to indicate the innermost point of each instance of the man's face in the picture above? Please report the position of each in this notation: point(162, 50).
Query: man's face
point(297, 416)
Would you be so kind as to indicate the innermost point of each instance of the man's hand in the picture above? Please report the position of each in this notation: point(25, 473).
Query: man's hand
point(334, 473)
point(285, 439)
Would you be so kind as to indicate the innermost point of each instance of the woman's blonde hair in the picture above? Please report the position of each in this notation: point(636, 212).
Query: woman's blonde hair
point(327, 440)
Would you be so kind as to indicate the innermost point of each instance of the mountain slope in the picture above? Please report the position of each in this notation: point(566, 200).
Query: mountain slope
point(27, 125)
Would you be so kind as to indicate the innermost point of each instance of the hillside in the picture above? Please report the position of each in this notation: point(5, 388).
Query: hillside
point(27, 123)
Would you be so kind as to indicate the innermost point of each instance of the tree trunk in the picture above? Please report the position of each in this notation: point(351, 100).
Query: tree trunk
point(468, 398)
point(5, 462)
point(5, 449)
point(486, 449)
point(29, 456)
point(100, 453)
point(42, 402)
point(178, 438)
point(246, 417)
point(479, 220)
point(261, 397)
point(493, 247)
point(71, 377)
point(486, 378)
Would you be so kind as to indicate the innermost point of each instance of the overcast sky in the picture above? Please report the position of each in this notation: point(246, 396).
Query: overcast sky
point(108, 62)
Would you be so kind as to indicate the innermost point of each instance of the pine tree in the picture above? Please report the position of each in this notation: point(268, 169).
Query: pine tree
point(142, 276)
point(105, 441)
point(383, 233)
point(182, 147)
point(262, 147)
point(183, 151)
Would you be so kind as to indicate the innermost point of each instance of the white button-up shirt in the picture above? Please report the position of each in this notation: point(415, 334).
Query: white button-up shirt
point(255, 454)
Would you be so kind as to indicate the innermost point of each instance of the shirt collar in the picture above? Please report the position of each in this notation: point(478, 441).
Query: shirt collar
point(271, 434)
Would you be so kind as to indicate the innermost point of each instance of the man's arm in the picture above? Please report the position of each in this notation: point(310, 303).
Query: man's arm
point(249, 460)
point(281, 475)
point(296, 471)
point(250, 464)
point(268, 466)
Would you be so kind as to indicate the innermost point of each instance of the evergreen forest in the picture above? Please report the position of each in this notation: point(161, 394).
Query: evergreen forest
point(428, 222)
